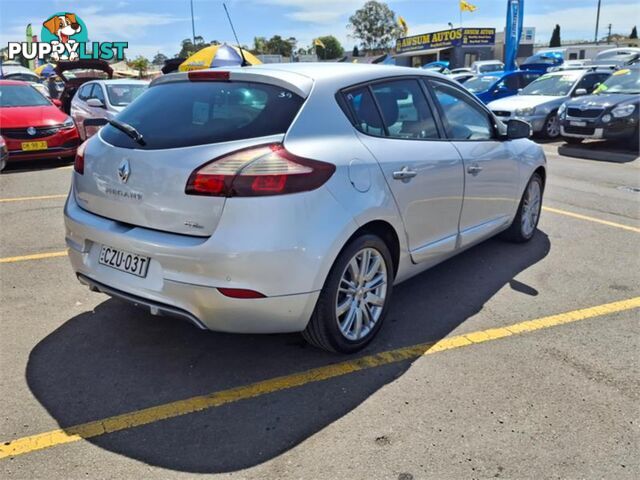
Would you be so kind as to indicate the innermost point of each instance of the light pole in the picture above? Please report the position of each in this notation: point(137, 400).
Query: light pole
point(597, 21)
point(450, 25)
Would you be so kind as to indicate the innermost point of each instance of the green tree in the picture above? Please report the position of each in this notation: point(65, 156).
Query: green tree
point(634, 33)
point(279, 46)
point(259, 45)
point(555, 37)
point(375, 26)
point(141, 64)
point(159, 59)
point(332, 49)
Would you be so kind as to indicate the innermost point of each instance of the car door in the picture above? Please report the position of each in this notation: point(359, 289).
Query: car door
point(491, 171)
point(98, 94)
point(507, 86)
point(423, 171)
point(78, 110)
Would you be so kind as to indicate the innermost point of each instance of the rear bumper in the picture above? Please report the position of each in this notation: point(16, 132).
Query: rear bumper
point(185, 272)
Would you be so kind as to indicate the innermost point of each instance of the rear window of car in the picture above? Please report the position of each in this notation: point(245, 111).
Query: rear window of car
point(184, 114)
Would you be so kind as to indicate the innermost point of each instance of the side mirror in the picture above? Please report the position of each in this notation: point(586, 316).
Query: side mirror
point(56, 102)
point(518, 129)
point(580, 91)
point(94, 102)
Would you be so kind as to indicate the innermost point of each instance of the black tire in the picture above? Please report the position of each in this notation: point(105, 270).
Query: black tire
point(573, 140)
point(322, 330)
point(545, 130)
point(515, 232)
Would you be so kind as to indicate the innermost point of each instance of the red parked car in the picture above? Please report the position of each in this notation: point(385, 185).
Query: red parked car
point(32, 126)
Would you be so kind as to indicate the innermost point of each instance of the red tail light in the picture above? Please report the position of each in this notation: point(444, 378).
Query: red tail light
point(208, 75)
point(240, 293)
point(78, 164)
point(258, 171)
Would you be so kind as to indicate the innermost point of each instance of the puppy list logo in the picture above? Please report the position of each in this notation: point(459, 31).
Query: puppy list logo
point(64, 36)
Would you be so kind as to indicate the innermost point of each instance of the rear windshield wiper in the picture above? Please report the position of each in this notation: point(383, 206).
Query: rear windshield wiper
point(129, 130)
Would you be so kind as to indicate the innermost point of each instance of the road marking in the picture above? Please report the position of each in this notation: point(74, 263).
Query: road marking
point(33, 256)
point(591, 219)
point(186, 406)
point(24, 199)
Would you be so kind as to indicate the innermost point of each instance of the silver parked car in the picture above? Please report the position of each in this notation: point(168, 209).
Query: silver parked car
point(103, 99)
point(292, 197)
point(539, 101)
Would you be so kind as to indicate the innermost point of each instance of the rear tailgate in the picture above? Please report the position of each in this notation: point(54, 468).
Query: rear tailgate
point(153, 193)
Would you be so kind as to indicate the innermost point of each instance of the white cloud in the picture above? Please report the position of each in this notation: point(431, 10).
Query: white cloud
point(322, 12)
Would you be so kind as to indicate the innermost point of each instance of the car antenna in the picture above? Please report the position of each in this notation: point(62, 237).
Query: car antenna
point(244, 60)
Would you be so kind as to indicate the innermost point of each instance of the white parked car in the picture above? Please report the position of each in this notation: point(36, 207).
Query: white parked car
point(487, 66)
point(292, 197)
point(103, 99)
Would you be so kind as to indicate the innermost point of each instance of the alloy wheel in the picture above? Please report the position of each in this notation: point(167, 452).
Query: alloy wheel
point(553, 126)
point(531, 208)
point(361, 294)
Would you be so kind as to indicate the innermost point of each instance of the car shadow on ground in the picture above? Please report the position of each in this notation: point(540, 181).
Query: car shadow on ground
point(117, 359)
point(24, 166)
point(600, 150)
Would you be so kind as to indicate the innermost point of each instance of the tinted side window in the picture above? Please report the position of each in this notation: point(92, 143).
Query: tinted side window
point(463, 119)
point(589, 82)
point(205, 112)
point(527, 78)
point(405, 110)
point(364, 110)
point(97, 93)
point(85, 91)
point(510, 82)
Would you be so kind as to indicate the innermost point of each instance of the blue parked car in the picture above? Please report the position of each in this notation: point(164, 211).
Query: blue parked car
point(495, 85)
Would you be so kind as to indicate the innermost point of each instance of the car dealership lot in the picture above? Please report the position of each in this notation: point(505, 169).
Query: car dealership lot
point(493, 397)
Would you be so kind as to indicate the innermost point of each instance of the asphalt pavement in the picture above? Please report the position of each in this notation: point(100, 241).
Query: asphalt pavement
point(508, 361)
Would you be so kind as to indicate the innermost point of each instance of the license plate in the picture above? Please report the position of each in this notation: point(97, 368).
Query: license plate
point(124, 261)
point(578, 124)
point(31, 146)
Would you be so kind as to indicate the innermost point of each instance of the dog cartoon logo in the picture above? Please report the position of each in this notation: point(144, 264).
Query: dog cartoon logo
point(64, 27)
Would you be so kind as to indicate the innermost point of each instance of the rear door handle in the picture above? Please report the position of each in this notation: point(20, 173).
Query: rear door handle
point(404, 174)
point(474, 169)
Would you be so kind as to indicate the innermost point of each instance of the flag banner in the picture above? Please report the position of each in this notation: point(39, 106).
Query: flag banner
point(403, 25)
point(513, 32)
point(466, 7)
point(454, 37)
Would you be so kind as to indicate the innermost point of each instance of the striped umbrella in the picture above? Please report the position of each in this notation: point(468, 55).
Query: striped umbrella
point(217, 56)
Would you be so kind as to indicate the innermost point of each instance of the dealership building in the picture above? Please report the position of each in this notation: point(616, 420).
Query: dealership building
point(459, 46)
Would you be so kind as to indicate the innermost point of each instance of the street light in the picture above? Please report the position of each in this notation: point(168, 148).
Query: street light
point(450, 25)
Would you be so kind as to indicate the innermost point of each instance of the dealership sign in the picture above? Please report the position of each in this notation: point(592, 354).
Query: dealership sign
point(64, 37)
point(455, 37)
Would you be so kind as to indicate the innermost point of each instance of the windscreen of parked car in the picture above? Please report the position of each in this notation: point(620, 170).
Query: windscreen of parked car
point(623, 81)
point(21, 96)
point(183, 114)
point(480, 83)
point(492, 67)
point(121, 95)
point(552, 85)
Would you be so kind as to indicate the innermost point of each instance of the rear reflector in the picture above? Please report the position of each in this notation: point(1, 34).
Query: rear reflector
point(240, 293)
point(208, 75)
point(258, 171)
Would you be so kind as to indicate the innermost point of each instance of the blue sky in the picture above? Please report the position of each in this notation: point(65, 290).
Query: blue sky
point(159, 25)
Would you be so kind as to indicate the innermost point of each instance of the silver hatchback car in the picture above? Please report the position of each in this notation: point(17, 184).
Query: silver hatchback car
point(291, 198)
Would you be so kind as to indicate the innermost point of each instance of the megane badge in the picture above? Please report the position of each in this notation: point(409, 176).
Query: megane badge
point(31, 131)
point(124, 170)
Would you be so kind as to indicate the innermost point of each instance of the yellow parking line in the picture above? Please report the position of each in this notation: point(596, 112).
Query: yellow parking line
point(178, 408)
point(33, 256)
point(24, 199)
point(591, 219)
